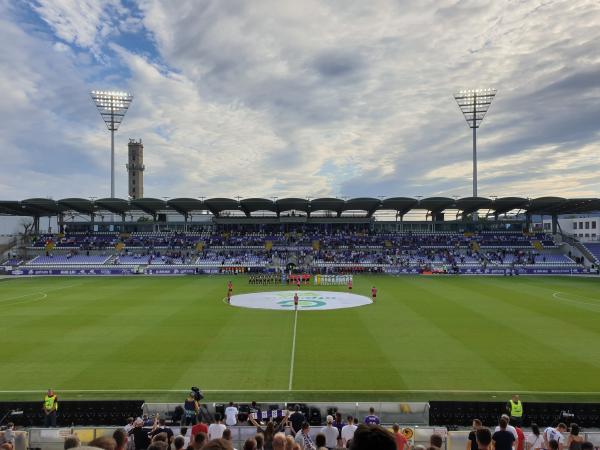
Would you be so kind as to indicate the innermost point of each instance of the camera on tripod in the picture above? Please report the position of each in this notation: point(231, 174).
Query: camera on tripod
point(197, 393)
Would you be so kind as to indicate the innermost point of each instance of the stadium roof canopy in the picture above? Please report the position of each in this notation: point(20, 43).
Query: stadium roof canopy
point(39, 207)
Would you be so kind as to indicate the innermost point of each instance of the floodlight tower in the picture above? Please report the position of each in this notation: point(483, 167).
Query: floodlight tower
point(474, 104)
point(112, 106)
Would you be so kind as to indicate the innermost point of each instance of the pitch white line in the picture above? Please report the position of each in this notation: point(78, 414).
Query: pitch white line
point(293, 350)
point(390, 391)
point(557, 296)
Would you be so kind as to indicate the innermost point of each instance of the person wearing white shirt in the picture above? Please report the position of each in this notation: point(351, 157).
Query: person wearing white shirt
point(231, 413)
point(331, 433)
point(556, 434)
point(215, 430)
point(348, 430)
point(535, 441)
point(509, 428)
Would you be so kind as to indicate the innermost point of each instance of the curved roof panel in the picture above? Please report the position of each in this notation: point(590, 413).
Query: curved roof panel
point(149, 205)
point(186, 205)
point(436, 204)
point(545, 205)
point(400, 204)
point(505, 204)
point(471, 204)
point(217, 205)
point(250, 205)
point(13, 208)
point(81, 205)
point(368, 204)
point(44, 205)
point(327, 204)
point(579, 205)
point(113, 205)
point(288, 204)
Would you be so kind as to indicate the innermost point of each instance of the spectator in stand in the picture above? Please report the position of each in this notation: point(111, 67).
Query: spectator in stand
point(348, 431)
point(372, 419)
point(200, 427)
point(104, 442)
point(231, 413)
point(250, 444)
point(587, 445)
point(320, 441)
point(303, 438)
point(401, 440)
point(228, 437)
point(72, 441)
point(535, 441)
point(553, 444)
point(369, 437)
point(472, 439)
point(290, 443)
point(279, 441)
point(269, 431)
point(484, 438)
point(555, 434)
point(9, 434)
point(509, 427)
point(260, 441)
point(215, 430)
point(161, 427)
point(190, 409)
point(520, 438)
point(120, 437)
point(218, 444)
point(158, 445)
point(436, 441)
point(503, 439)
point(198, 442)
point(297, 419)
point(141, 441)
point(331, 433)
point(339, 423)
point(179, 443)
point(129, 425)
point(574, 441)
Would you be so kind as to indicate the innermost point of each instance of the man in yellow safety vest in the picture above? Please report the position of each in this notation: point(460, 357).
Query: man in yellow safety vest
point(515, 408)
point(50, 408)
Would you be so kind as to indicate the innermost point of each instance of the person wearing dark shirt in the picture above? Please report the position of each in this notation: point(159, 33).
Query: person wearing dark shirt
point(503, 439)
point(484, 438)
point(297, 419)
point(160, 427)
point(141, 440)
point(371, 419)
point(472, 442)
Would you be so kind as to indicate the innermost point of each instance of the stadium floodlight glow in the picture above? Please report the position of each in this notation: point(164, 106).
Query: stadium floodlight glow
point(112, 106)
point(474, 104)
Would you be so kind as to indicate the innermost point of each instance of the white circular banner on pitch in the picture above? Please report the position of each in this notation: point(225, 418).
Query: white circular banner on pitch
point(307, 300)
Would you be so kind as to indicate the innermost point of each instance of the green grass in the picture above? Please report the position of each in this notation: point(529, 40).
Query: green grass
point(426, 338)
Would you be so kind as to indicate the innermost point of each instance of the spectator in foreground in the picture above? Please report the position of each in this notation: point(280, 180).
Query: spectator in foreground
point(331, 433)
point(503, 439)
point(231, 414)
point(553, 444)
point(199, 427)
point(436, 441)
point(250, 444)
point(227, 436)
point(587, 445)
point(297, 419)
point(120, 437)
point(141, 441)
point(303, 438)
point(215, 430)
point(72, 441)
point(161, 427)
point(158, 445)
point(104, 442)
point(348, 431)
point(179, 442)
point(535, 441)
point(260, 441)
point(509, 427)
point(483, 436)
point(574, 441)
point(279, 441)
point(320, 441)
point(472, 440)
point(9, 434)
point(555, 434)
point(372, 419)
point(218, 444)
point(401, 440)
point(369, 437)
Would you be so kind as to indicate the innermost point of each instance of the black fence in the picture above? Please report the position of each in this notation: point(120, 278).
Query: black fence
point(103, 412)
point(544, 414)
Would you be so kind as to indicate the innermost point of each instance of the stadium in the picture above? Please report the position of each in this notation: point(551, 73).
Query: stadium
point(431, 320)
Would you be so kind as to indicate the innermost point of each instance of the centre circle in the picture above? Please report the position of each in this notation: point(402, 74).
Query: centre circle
point(307, 300)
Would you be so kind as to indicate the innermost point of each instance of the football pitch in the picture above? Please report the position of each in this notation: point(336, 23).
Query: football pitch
point(426, 338)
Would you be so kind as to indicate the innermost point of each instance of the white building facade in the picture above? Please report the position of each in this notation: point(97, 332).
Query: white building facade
point(585, 228)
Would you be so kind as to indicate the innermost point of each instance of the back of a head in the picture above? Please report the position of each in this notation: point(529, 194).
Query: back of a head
point(396, 428)
point(553, 444)
point(158, 445)
point(574, 429)
point(105, 442)
point(535, 429)
point(436, 440)
point(218, 444)
point(160, 437)
point(368, 437)
point(179, 442)
point(260, 440)
point(226, 434)
point(120, 437)
point(200, 438)
point(250, 444)
point(279, 441)
point(483, 437)
point(320, 440)
point(503, 423)
point(562, 427)
point(587, 445)
point(72, 441)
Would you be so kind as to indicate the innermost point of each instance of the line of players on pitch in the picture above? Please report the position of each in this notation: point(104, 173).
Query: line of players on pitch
point(296, 298)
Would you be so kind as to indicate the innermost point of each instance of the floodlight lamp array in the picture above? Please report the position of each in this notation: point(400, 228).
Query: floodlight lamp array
point(112, 106)
point(474, 104)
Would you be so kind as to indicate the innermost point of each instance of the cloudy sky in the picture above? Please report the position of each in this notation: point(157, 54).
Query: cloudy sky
point(300, 98)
